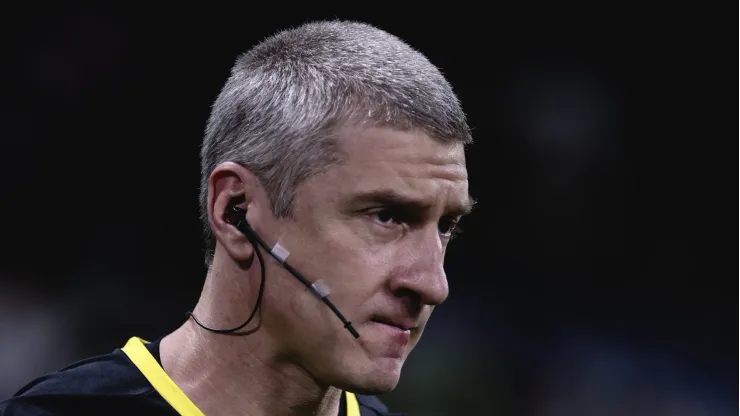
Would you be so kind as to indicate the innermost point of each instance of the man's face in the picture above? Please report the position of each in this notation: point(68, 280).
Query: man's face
point(374, 229)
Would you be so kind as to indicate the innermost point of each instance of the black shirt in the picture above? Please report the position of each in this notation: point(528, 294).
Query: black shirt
point(128, 381)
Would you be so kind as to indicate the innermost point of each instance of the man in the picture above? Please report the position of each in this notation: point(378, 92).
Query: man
point(334, 157)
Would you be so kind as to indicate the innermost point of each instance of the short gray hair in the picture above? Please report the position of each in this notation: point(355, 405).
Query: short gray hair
point(287, 96)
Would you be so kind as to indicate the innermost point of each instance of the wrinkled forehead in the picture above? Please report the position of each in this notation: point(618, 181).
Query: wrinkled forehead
point(362, 144)
point(403, 166)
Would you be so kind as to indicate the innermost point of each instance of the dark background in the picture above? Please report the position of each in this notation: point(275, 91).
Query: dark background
point(597, 275)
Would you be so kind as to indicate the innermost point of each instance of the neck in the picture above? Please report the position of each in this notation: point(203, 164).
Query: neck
point(233, 374)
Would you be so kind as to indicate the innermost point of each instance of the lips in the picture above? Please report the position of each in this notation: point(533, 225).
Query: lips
point(396, 322)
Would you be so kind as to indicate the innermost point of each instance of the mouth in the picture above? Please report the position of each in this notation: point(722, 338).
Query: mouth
point(394, 335)
point(394, 323)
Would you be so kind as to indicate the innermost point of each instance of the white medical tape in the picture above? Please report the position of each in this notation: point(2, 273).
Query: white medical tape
point(320, 288)
point(280, 252)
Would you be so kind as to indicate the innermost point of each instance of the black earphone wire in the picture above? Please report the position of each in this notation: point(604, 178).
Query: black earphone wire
point(256, 305)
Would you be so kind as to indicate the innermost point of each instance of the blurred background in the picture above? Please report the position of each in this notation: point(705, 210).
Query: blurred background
point(595, 277)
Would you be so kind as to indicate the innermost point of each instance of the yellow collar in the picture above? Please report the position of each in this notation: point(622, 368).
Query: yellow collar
point(167, 388)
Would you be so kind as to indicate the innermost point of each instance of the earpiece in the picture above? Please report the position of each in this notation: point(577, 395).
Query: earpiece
point(235, 214)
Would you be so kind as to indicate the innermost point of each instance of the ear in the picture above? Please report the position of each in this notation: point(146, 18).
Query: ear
point(231, 184)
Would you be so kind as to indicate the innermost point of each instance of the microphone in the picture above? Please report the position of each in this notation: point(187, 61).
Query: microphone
point(238, 217)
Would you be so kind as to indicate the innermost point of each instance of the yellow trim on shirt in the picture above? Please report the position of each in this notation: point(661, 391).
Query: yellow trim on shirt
point(150, 368)
point(353, 406)
point(161, 382)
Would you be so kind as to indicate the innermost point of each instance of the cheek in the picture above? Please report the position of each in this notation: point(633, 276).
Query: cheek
point(349, 252)
point(283, 295)
point(340, 255)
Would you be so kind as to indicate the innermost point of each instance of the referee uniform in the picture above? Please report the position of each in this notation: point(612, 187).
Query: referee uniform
point(129, 381)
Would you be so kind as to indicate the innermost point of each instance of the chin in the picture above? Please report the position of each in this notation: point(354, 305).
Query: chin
point(374, 387)
point(381, 377)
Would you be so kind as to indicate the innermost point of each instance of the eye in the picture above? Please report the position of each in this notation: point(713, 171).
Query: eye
point(385, 216)
point(448, 226)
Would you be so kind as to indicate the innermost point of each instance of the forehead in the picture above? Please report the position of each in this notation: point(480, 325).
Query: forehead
point(409, 164)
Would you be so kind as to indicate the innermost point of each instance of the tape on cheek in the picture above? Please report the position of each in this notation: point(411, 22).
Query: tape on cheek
point(320, 289)
point(280, 252)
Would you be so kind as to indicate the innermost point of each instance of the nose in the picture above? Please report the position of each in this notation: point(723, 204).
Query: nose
point(421, 269)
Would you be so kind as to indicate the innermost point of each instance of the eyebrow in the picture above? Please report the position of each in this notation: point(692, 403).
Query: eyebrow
point(390, 197)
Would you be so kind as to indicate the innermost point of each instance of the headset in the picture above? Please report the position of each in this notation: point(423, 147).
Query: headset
point(237, 216)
